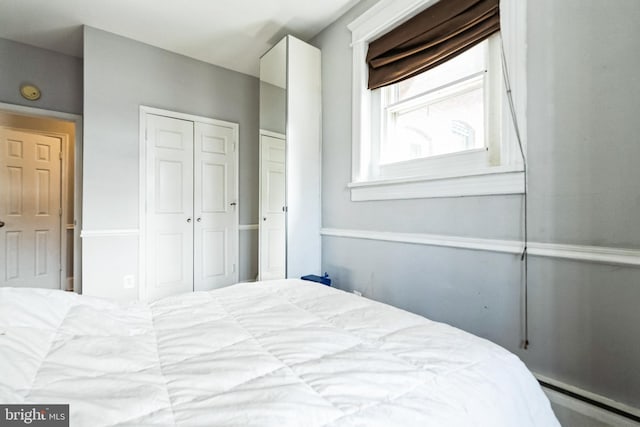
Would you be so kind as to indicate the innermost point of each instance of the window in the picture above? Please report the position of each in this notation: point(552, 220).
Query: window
point(440, 112)
point(440, 133)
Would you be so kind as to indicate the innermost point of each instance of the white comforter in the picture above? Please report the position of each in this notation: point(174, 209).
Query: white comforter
point(280, 353)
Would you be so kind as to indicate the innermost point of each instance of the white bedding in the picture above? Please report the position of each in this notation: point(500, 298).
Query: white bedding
point(279, 353)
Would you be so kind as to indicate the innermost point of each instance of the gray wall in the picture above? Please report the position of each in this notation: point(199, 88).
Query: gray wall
point(58, 76)
point(120, 75)
point(583, 143)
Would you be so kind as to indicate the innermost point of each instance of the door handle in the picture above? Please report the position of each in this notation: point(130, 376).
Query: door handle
point(199, 219)
point(1, 224)
point(264, 218)
point(188, 219)
point(232, 204)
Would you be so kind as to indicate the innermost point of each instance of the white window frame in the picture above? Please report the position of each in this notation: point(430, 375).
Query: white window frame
point(443, 177)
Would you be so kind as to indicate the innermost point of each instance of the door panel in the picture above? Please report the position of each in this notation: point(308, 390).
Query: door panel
point(215, 207)
point(214, 242)
point(213, 188)
point(30, 206)
point(272, 215)
point(169, 206)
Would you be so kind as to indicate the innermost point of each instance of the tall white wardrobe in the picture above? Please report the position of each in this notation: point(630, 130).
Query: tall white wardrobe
point(290, 160)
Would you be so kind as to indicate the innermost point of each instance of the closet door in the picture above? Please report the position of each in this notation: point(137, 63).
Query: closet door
point(215, 206)
point(303, 159)
point(169, 206)
point(272, 203)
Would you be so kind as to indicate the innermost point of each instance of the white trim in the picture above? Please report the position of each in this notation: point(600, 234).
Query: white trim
point(500, 181)
point(188, 117)
point(142, 203)
point(40, 112)
point(506, 246)
point(110, 233)
point(585, 408)
point(595, 254)
point(599, 254)
point(248, 227)
point(272, 134)
point(385, 15)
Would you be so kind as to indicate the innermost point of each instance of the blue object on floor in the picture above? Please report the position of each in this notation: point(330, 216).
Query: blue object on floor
point(325, 280)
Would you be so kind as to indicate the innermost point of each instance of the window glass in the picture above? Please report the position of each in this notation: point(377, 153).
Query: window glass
point(438, 112)
point(463, 65)
point(451, 124)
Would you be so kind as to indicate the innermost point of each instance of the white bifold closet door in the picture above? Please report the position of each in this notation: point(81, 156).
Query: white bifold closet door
point(191, 206)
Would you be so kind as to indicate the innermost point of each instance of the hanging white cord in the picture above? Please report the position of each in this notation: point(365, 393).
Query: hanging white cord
point(524, 256)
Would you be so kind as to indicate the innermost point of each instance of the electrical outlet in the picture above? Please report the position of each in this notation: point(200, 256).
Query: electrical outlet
point(129, 281)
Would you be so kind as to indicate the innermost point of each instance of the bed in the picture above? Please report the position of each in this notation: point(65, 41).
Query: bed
point(276, 353)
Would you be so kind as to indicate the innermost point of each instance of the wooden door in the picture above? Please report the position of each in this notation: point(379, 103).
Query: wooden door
point(272, 208)
point(30, 209)
point(215, 207)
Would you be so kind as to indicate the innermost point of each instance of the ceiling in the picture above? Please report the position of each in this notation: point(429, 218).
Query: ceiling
point(229, 33)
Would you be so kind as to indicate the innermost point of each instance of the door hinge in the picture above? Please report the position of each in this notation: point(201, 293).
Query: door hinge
point(60, 155)
point(59, 211)
point(233, 270)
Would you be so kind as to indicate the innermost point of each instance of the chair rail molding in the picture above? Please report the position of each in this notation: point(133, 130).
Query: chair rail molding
point(122, 232)
point(594, 254)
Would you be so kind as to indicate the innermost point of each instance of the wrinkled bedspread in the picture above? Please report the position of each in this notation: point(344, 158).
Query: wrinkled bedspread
point(278, 353)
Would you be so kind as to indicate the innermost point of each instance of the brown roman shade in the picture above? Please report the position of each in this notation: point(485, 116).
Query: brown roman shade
point(430, 38)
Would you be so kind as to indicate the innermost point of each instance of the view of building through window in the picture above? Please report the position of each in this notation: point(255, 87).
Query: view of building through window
point(440, 111)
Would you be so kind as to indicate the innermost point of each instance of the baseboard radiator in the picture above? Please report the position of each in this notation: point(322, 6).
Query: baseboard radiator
point(615, 409)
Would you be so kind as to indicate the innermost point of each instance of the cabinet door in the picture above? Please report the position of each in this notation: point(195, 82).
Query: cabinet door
point(215, 208)
point(169, 206)
point(272, 203)
point(303, 159)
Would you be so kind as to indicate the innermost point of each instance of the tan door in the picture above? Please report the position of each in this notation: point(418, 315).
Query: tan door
point(30, 209)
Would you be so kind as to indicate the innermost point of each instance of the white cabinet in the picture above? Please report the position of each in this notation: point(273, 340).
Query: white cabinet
point(290, 117)
point(190, 230)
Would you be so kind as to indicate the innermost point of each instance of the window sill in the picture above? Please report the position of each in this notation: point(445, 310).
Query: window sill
point(493, 181)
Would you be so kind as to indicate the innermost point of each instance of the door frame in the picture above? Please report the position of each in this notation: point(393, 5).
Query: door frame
point(142, 199)
point(264, 132)
point(77, 184)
